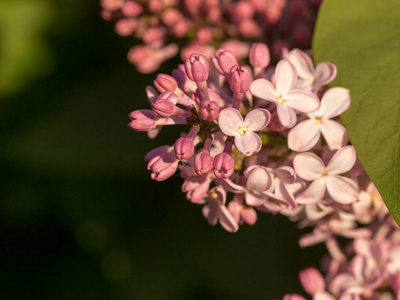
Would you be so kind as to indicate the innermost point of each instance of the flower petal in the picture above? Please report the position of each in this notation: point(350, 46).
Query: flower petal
point(263, 89)
point(314, 193)
point(229, 121)
point(257, 119)
point(255, 199)
point(210, 212)
point(334, 134)
point(334, 102)
point(308, 166)
point(304, 136)
point(259, 179)
point(226, 220)
point(302, 62)
point(286, 76)
point(324, 73)
point(342, 161)
point(303, 101)
point(248, 143)
point(342, 189)
point(287, 116)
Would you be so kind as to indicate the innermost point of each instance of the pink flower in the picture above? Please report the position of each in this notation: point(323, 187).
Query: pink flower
point(312, 281)
point(306, 134)
point(310, 167)
point(215, 210)
point(246, 141)
point(286, 98)
point(310, 78)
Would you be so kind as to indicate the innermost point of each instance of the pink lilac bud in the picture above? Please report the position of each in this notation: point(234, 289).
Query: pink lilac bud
point(203, 161)
point(249, 29)
point(193, 7)
point(259, 55)
point(223, 61)
point(126, 27)
point(239, 79)
point(239, 49)
point(153, 35)
point(209, 110)
point(224, 165)
point(142, 120)
point(171, 16)
point(312, 281)
point(183, 81)
point(111, 4)
point(165, 104)
point(204, 35)
point(163, 166)
point(154, 6)
point(164, 82)
point(197, 68)
point(240, 11)
point(180, 28)
point(184, 147)
point(132, 9)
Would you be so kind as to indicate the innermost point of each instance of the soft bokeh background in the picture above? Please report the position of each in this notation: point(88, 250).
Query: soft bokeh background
point(80, 217)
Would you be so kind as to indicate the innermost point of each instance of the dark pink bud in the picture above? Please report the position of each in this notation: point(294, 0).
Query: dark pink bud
point(142, 120)
point(249, 29)
point(223, 61)
point(241, 10)
point(180, 28)
point(153, 35)
point(239, 79)
point(154, 6)
point(312, 281)
point(171, 16)
point(248, 215)
point(197, 67)
point(111, 4)
point(125, 27)
point(204, 35)
point(164, 82)
point(184, 148)
point(132, 9)
point(163, 166)
point(183, 81)
point(203, 163)
point(259, 55)
point(224, 165)
point(165, 104)
point(209, 110)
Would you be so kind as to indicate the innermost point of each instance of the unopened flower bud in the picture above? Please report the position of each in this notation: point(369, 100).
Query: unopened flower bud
point(312, 281)
point(209, 110)
point(223, 61)
point(164, 82)
point(163, 166)
point(239, 79)
point(259, 55)
point(132, 9)
point(224, 165)
point(184, 148)
point(203, 163)
point(197, 68)
point(142, 120)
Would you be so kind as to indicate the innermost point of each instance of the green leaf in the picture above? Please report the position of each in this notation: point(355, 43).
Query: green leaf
point(362, 38)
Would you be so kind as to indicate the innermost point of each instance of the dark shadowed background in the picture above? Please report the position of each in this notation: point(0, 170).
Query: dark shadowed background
point(80, 217)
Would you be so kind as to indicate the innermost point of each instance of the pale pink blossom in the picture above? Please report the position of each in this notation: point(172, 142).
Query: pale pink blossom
point(306, 134)
point(311, 168)
point(247, 141)
point(284, 95)
point(215, 210)
point(310, 78)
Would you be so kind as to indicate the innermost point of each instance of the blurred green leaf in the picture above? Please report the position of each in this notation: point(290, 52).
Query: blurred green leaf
point(24, 53)
point(363, 39)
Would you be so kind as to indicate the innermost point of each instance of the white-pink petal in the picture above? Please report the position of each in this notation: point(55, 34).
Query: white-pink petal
point(304, 136)
point(287, 116)
point(302, 62)
point(248, 143)
point(342, 161)
point(286, 76)
point(303, 101)
point(308, 166)
point(314, 193)
point(334, 102)
point(263, 89)
point(342, 189)
point(226, 220)
point(259, 179)
point(324, 73)
point(334, 134)
point(257, 119)
point(210, 212)
point(229, 121)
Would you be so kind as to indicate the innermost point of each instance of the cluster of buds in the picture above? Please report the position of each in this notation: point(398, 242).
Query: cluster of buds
point(268, 138)
point(369, 269)
point(166, 27)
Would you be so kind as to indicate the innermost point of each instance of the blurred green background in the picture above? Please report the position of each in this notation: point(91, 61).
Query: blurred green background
point(80, 217)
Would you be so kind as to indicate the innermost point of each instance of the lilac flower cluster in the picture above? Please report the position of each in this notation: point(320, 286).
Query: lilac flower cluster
point(166, 27)
point(269, 139)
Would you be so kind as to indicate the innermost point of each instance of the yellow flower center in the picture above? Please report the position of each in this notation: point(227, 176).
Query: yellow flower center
point(318, 120)
point(280, 100)
point(214, 195)
point(324, 173)
point(242, 130)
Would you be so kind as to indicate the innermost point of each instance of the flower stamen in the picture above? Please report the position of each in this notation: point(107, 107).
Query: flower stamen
point(242, 130)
